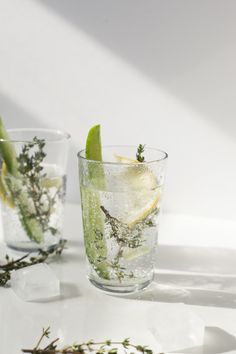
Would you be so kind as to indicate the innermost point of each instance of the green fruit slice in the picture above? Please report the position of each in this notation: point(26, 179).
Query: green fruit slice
point(7, 150)
point(5, 194)
point(93, 144)
point(93, 222)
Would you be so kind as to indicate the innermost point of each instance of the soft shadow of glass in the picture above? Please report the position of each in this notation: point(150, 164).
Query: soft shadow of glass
point(195, 281)
point(197, 259)
point(216, 341)
point(69, 291)
point(169, 293)
point(194, 276)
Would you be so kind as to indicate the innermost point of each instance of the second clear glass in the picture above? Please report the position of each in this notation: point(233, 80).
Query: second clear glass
point(33, 196)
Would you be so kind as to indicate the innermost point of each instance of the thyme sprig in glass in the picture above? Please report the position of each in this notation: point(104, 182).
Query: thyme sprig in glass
point(125, 237)
point(104, 347)
point(26, 261)
point(31, 198)
point(121, 232)
point(30, 166)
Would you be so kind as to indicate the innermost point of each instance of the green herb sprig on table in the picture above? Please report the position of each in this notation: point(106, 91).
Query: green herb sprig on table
point(139, 153)
point(104, 347)
point(26, 261)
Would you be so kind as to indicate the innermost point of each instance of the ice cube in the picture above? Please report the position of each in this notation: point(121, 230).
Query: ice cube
point(36, 282)
point(175, 326)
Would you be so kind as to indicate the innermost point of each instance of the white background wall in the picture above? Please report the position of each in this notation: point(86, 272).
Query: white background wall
point(156, 72)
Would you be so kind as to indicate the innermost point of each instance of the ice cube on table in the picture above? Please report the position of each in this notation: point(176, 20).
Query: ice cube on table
point(36, 282)
point(175, 326)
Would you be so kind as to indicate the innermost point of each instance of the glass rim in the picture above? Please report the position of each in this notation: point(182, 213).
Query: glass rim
point(59, 135)
point(164, 157)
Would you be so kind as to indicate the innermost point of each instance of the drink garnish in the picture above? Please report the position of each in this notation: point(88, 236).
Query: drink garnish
point(139, 153)
point(95, 247)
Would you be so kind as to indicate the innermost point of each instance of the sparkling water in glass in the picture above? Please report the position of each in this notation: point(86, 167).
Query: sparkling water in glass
point(121, 200)
point(32, 199)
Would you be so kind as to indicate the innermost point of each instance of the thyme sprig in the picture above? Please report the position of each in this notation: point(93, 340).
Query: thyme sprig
point(125, 237)
point(139, 153)
point(29, 191)
point(30, 167)
point(26, 261)
point(104, 347)
point(123, 234)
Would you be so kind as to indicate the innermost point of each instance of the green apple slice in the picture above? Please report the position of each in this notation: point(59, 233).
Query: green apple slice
point(93, 149)
point(93, 222)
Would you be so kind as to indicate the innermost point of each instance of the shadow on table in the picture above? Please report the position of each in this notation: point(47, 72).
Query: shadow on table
point(216, 341)
point(69, 291)
point(194, 276)
point(204, 260)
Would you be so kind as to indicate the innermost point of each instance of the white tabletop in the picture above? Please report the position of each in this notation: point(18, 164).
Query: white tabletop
point(196, 265)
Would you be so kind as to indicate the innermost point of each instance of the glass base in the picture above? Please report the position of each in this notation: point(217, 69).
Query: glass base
point(28, 246)
point(118, 289)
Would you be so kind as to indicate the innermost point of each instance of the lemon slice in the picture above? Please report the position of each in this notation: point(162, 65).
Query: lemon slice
point(51, 182)
point(123, 159)
point(144, 191)
point(132, 254)
point(143, 205)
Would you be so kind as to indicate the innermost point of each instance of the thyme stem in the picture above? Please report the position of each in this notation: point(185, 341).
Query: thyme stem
point(42, 256)
point(102, 347)
point(44, 334)
point(11, 265)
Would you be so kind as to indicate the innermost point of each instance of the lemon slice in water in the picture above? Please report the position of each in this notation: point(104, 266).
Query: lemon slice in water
point(130, 255)
point(144, 191)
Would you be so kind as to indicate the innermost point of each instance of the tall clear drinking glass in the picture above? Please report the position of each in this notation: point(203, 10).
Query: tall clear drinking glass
point(121, 200)
point(33, 187)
